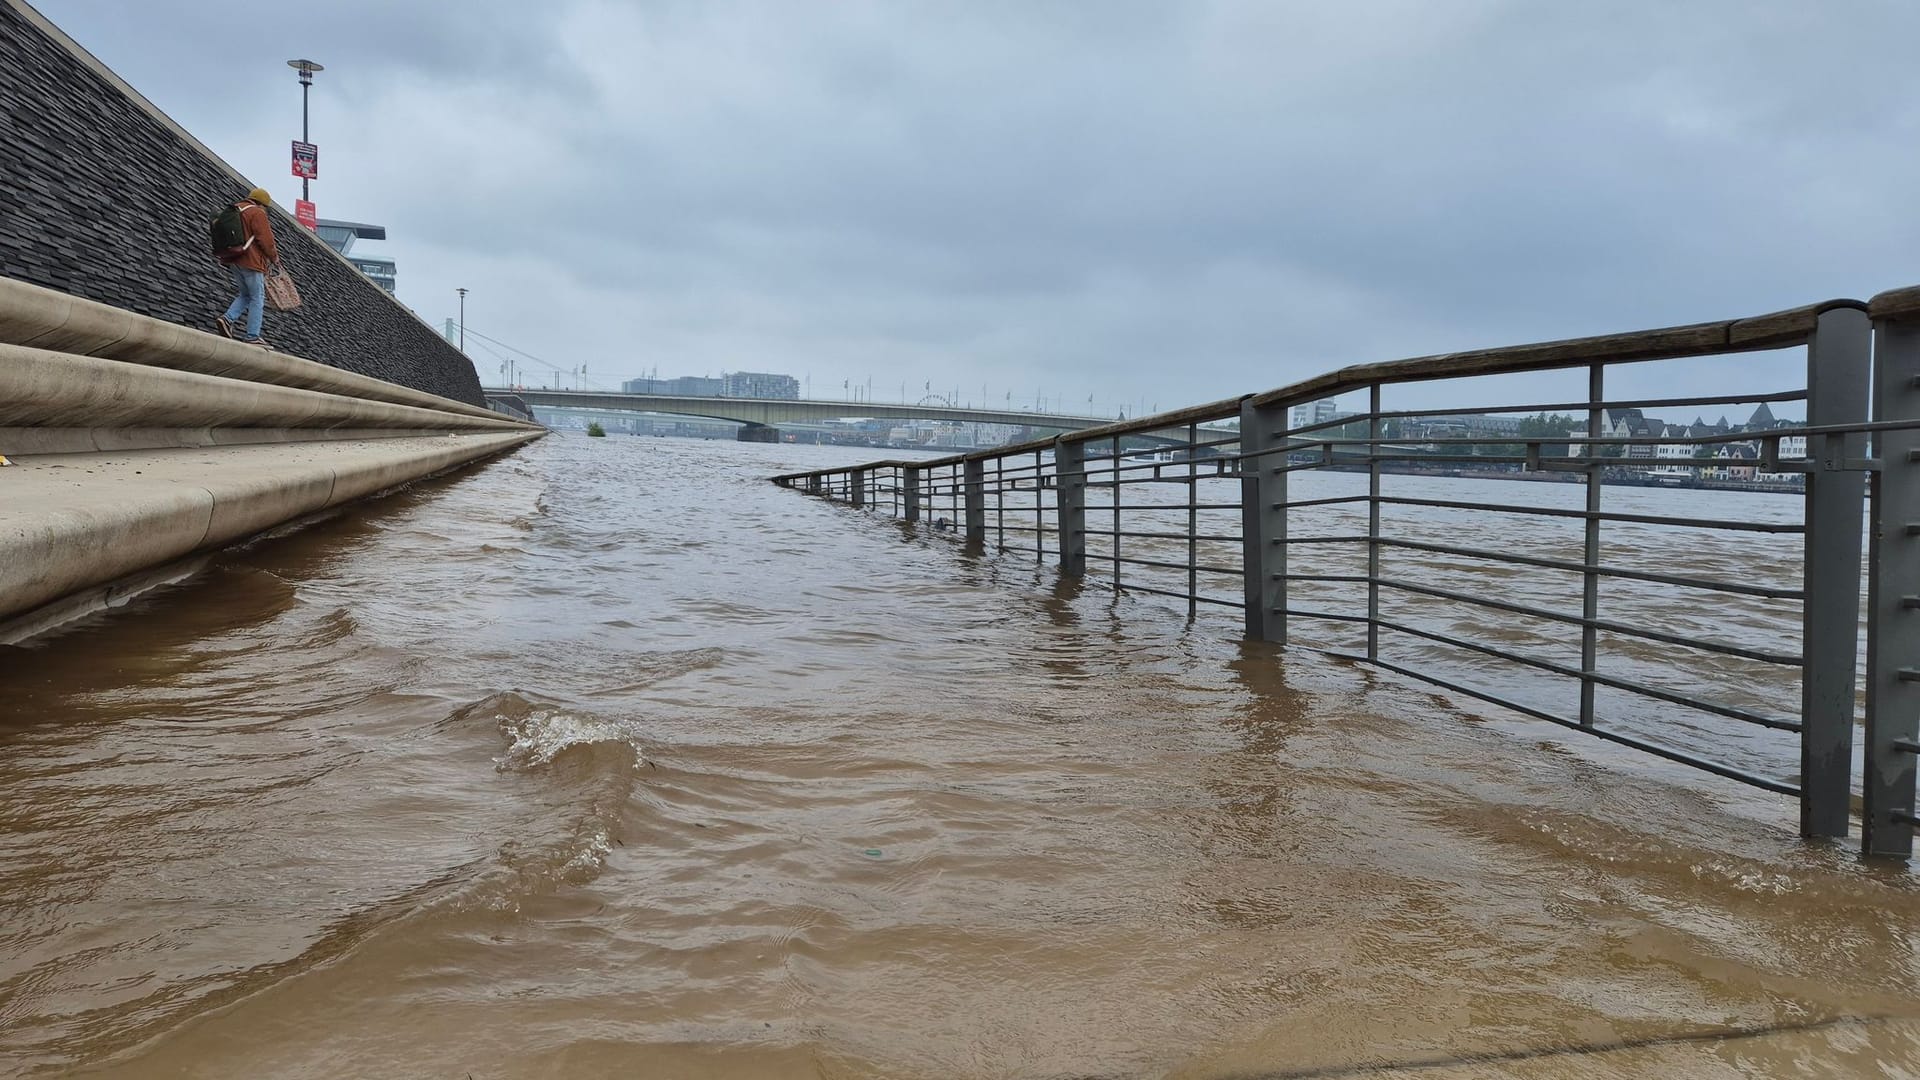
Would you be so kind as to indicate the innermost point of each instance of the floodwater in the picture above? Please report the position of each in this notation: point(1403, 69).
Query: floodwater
point(612, 759)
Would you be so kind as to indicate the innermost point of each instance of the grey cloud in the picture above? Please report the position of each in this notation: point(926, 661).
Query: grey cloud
point(1160, 201)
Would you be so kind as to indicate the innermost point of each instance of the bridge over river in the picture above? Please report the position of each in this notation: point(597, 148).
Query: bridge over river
point(759, 417)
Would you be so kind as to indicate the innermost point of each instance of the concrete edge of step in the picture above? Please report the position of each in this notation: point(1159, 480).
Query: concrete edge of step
point(54, 578)
point(42, 318)
point(40, 388)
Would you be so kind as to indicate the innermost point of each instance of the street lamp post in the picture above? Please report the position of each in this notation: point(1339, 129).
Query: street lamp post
point(306, 68)
point(463, 320)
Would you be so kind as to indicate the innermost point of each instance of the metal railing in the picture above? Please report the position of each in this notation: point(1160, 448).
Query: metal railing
point(1328, 535)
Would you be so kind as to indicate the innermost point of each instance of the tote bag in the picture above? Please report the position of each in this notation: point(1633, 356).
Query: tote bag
point(282, 294)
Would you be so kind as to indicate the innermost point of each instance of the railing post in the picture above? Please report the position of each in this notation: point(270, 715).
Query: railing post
point(1590, 578)
point(1893, 601)
point(1070, 504)
point(910, 479)
point(857, 493)
point(813, 485)
point(1263, 520)
point(1373, 522)
point(1838, 374)
point(973, 485)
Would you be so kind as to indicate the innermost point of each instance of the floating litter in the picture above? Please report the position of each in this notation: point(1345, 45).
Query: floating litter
point(872, 853)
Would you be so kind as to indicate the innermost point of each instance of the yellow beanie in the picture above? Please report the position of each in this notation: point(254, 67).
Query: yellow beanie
point(260, 196)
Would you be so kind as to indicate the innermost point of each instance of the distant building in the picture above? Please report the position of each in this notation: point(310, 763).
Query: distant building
point(743, 384)
point(754, 384)
point(1459, 425)
point(1314, 412)
point(684, 386)
point(340, 236)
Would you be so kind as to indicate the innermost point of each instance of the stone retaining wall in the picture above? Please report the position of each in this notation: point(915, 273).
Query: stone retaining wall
point(102, 199)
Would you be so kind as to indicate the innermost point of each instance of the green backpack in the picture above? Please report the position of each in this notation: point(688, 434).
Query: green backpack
point(229, 233)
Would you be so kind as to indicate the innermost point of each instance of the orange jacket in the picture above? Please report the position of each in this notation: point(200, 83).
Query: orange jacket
point(261, 253)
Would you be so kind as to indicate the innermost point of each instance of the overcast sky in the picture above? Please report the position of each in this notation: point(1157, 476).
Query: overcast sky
point(1141, 203)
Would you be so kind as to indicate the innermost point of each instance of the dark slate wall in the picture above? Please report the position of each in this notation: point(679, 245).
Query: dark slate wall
point(101, 200)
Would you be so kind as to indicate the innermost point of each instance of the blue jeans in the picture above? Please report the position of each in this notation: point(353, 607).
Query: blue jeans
point(250, 298)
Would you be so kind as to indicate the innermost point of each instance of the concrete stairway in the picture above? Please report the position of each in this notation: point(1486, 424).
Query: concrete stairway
point(137, 444)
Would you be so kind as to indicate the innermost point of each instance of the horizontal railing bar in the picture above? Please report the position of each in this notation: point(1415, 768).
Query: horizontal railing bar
point(1330, 616)
point(1107, 556)
point(1559, 407)
point(1337, 654)
point(1222, 537)
point(1182, 507)
point(1780, 329)
point(1207, 471)
point(1355, 459)
point(1601, 515)
point(1228, 409)
point(1357, 539)
point(1659, 694)
point(1623, 440)
point(1679, 756)
point(1760, 655)
point(1477, 459)
point(1127, 586)
point(1129, 481)
point(1604, 571)
point(1343, 579)
point(1322, 447)
point(1777, 330)
point(1094, 455)
point(1335, 501)
point(1585, 406)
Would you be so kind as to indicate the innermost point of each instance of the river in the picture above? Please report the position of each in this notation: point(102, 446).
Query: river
point(612, 759)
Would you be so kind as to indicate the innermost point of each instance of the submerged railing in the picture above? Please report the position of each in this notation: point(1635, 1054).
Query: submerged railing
point(1304, 526)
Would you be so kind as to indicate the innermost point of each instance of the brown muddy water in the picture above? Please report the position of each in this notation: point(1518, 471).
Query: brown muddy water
point(612, 759)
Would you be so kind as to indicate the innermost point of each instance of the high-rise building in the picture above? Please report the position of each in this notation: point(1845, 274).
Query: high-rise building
point(340, 236)
point(1314, 412)
point(755, 384)
point(746, 384)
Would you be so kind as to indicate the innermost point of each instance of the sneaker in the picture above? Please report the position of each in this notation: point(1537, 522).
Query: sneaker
point(260, 341)
point(225, 326)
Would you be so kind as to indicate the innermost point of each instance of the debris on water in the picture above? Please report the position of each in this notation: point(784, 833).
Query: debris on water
point(872, 853)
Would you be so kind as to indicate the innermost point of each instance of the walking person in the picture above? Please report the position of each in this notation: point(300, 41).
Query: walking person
point(243, 240)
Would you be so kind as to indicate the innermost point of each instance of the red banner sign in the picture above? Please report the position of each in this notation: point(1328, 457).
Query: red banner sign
point(304, 213)
point(306, 160)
